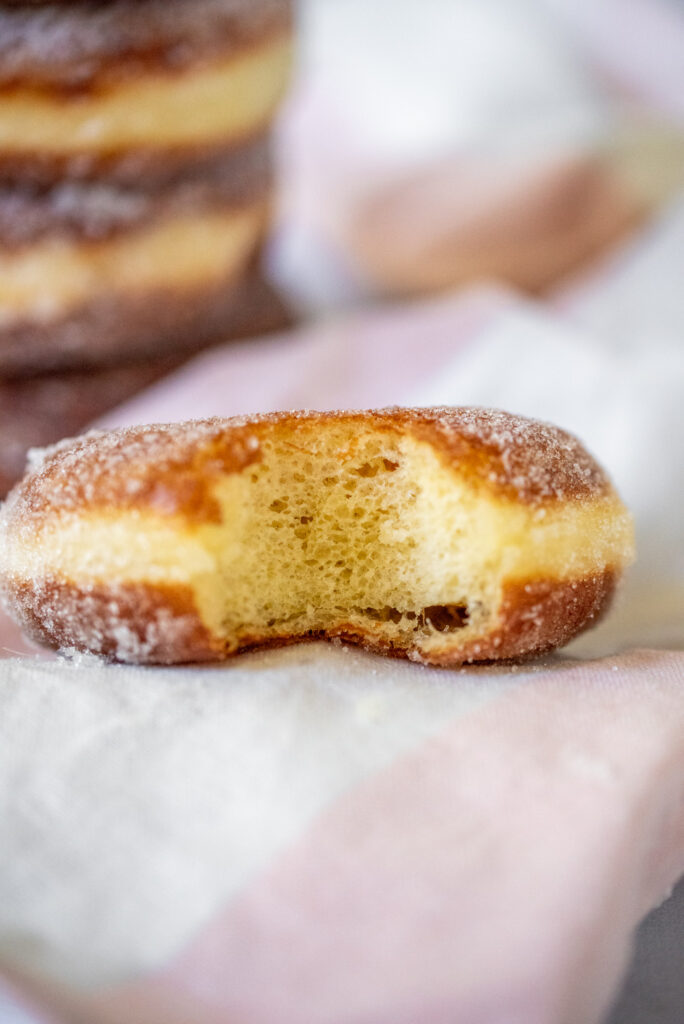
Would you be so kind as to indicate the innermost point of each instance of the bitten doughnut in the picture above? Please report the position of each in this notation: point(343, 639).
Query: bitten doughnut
point(442, 535)
point(130, 91)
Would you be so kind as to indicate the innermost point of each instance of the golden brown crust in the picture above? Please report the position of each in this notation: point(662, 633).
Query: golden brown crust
point(172, 468)
point(82, 46)
point(160, 625)
point(518, 458)
point(113, 469)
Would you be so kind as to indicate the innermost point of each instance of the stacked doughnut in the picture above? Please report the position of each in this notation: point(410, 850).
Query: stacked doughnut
point(135, 178)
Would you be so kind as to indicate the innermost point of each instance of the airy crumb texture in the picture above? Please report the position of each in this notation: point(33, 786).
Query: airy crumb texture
point(442, 535)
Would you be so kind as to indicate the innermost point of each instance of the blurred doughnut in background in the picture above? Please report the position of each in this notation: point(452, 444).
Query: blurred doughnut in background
point(437, 144)
point(452, 224)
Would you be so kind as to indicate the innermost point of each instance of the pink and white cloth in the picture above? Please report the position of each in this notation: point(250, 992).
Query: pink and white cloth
point(318, 835)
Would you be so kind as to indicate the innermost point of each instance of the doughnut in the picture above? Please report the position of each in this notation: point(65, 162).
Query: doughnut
point(446, 536)
point(38, 411)
point(453, 223)
point(94, 273)
point(130, 89)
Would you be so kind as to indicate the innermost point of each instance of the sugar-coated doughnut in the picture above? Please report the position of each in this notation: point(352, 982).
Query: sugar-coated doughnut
point(127, 89)
point(442, 535)
point(93, 274)
point(191, 299)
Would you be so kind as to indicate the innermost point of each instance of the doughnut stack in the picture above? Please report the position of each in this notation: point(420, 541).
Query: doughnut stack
point(135, 181)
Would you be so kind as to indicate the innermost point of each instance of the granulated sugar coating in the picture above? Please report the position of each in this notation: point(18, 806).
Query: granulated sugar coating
point(171, 467)
point(440, 535)
point(537, 461)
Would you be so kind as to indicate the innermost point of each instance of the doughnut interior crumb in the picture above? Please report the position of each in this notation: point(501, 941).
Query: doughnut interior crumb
point(330, 535)
point(375, 533)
